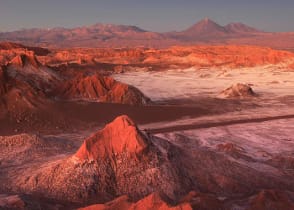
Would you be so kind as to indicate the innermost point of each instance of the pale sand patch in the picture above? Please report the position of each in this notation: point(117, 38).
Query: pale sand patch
point(189, 83)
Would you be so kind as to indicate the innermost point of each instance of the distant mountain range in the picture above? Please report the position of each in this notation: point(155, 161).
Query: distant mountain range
point(108, 35)
point(208, 28)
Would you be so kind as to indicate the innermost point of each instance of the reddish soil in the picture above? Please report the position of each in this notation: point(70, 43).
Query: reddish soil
point(63, 116)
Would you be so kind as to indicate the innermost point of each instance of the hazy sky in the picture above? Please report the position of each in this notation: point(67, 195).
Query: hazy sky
point(155, 15)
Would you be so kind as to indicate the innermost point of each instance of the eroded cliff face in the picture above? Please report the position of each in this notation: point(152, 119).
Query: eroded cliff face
point(27, 84)
point(101, 89)
point(152, 201)
point(227, 56)
point(9, 50)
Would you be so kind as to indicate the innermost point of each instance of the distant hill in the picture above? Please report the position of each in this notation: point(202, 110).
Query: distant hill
point(241, 28)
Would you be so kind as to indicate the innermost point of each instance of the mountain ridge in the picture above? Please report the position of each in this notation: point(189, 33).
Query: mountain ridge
point(206, 31)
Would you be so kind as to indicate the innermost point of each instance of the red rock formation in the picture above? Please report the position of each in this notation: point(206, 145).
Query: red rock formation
point(91, 87)
point(117, 160)
point(121, 203)
point(10, 46)
point(120, 136)
point(14, 93)
point(231, 56)
point(193, 200)
point(238, 91)
point(152, 201)
point(26, 68)
point(272, 200)
point(203, 201)
point(23, 60)
point(23, 83)
point(15, 46)
point(11, 202)
point(101, 88)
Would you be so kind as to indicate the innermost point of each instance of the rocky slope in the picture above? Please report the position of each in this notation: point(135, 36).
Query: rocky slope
point(152, 201)
point(9, 50)
point(102, 89)
point(271, 200)
point(11, 202)
point(119, 165)
point(120, 136)
point(27, 83)
point(117, 160)
point(33, 94)
point(192, 200)
point(17, 93)
point(23, 148)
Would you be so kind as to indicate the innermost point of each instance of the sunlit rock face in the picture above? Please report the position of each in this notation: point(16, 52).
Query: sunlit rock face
point(152, 201)
point(102, 89)
point(117, 160)
point(238, 90)
point(121, 136)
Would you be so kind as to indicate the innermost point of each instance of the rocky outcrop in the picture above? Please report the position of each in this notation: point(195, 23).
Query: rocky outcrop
point(272, 200)
point(193, 200)
point(238, 91)
point(21, 87)
point(24, 83)
point(102, 89)
point(117, 160)
point(17, 93)
point(28, 59)
point(152, 201)
point(203, 201)
point(121, 136)
point(26, 65)
point(11, 202)
point(10, 46)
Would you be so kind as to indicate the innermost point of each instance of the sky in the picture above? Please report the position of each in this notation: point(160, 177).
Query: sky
point(153, 15)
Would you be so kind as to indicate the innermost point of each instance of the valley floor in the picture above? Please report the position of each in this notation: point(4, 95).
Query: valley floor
point(233, 147)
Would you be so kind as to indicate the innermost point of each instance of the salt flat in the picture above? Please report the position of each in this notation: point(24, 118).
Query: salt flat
point(268, 81)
